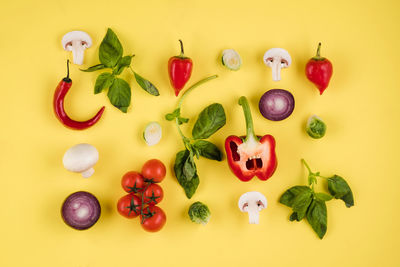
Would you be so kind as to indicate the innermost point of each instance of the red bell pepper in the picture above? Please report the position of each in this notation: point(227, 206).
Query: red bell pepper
point(319, 71)
point(251, 155)
point(179, 69)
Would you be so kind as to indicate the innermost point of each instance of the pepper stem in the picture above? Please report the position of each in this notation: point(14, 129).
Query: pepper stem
point(249, 120)
point(67, 69)
point(182, 52)
point(318, 50)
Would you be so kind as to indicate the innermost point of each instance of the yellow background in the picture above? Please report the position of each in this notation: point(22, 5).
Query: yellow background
point(361, 108)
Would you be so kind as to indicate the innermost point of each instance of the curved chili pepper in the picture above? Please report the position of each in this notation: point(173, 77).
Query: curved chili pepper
point(58, 105)
point(179, 69)
point(251, 155)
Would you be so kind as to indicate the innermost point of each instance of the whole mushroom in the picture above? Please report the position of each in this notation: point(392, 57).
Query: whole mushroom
point(81, 158)
point(276, 59)
point(252, 203)
point(77, 42)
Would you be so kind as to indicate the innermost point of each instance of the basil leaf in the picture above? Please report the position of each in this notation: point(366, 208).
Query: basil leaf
point(288, 197)
point(208, 150)
point(123, 63)
point(103, 81)
point(120, 94)
point(189, 168)
point(182, 120)
point(94, 68)
point(301, 203)
point(339, 189)
point(323, 196)
point(146, 85)
point(171, 116)
point(293, 217)
point(317, 217)
point(191, 185)
point(110, 50)
point(210, 120)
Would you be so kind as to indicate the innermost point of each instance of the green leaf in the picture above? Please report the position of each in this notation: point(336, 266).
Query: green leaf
point(120, 94)
point(191, 185)
point(301, 203)
point(323, 196)
point(146, 85)
point(339, 189)
point(110, 50)
point(182, 120)
point(103, 81)
point(317, 217)
point(123, 63)
point(293, 217)
point(189, 168)
point(288, 197)
point(171, 116)
point(210, 120)
point(94, 68)
point(208, 150)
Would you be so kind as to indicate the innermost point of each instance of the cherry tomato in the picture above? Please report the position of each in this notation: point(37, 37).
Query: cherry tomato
point(154, 170)
point(129, 206)
point(156, 221)
point(153, 194)
point(132, 182)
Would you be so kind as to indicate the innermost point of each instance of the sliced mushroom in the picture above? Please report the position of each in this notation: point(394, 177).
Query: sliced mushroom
point(81, 158)
point(276, 59)
point(77, 42)
point(252, 203)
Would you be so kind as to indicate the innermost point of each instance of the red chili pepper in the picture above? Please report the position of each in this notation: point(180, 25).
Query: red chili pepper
point(58, 105)
point(251, 155)
point(319, 71)
point(179, 69)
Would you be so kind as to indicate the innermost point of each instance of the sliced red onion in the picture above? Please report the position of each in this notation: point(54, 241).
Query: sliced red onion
point(276, 104)
point(81, 210)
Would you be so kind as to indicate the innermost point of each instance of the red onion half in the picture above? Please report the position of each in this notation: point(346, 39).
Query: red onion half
point(81, 210)
point(276, 104)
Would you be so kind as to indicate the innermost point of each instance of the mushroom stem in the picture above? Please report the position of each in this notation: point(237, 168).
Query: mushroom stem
point(87, 173)
point(253, 212)
point(77, 51)
point(276, 70)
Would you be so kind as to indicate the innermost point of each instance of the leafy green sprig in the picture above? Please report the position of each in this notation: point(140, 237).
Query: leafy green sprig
point(210, 120)
point(306, 203)
point(119, 91)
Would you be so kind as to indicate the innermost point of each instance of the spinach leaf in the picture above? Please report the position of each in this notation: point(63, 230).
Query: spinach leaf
point(339, 189)
point(288, 197)
point(110, 50)
point(207, 149)
point(120, 94)
point(317, 217)
point(103, 81)
point(191, 185)
point(146, 85)
point(123, 63)
point(301, 203)
point(95, 67)
point(210, 120)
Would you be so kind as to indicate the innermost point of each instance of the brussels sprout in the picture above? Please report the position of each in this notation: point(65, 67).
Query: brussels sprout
point(316, 128)
point(199, 213)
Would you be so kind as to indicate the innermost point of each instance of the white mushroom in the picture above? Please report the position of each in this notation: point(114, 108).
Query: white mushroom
point(81, 158)
point(252, 203)
point(77, 42)
point(277, 58)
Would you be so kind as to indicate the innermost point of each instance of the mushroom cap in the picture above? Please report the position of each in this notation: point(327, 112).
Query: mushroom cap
point(76, 35)
point(80, 157)
point(252, 197)
point(277, 52)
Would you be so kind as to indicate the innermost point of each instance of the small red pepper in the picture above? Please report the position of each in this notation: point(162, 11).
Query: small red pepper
point(251, 155)
point(179, 69)
point(58, 105)
point(319, 71)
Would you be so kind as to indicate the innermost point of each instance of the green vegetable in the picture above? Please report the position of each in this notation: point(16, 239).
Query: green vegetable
point(231, 59)
point(305, 202)
point(315, 128)
point(110, 56)
point(199, 213)
point(210, 120)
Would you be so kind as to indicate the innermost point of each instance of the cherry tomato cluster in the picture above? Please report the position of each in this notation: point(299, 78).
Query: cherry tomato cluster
point(144, 195)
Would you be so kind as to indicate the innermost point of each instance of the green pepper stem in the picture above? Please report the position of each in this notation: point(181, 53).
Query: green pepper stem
point(318, 50)
point(193, 87)
point(249, 120)
point(67, 68)
point(182, 52)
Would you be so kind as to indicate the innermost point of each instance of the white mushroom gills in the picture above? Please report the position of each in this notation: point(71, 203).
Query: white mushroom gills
point(252, 203)
point(81, 158)
point(276, 59)
point(77, 42)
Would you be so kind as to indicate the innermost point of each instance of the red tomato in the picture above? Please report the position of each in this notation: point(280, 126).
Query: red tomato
point(132, 182)
point(154, 170)
point(153, 194)
point(129, 206)
point(156, 221)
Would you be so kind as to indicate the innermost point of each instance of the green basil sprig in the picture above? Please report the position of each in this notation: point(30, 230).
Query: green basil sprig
point(306, 203)
point(210, 120)
point(119, 91)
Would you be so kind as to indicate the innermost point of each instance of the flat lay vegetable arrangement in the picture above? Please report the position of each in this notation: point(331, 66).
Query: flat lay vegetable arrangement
point(247, 156)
